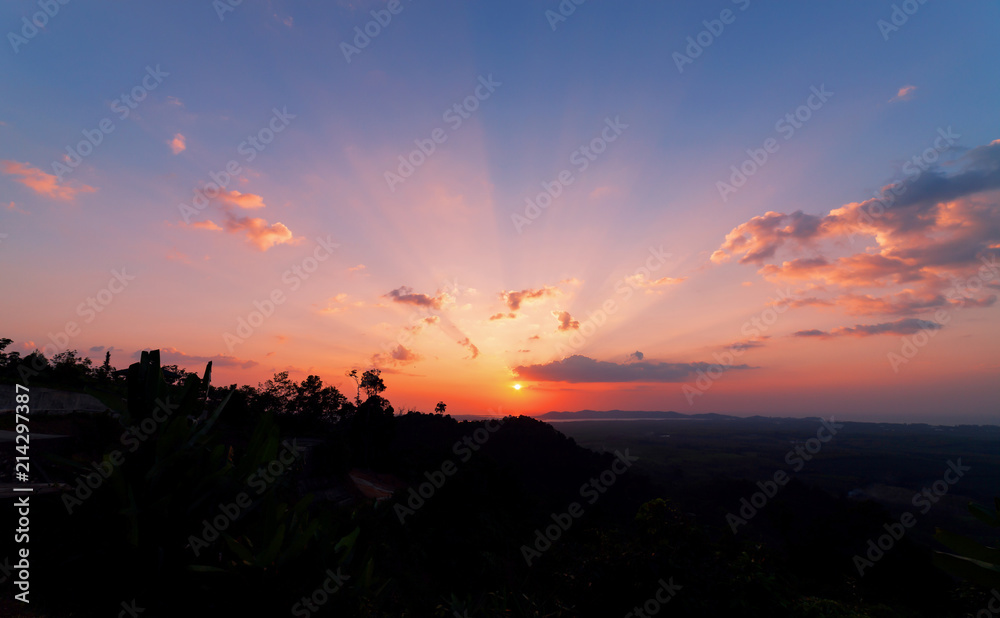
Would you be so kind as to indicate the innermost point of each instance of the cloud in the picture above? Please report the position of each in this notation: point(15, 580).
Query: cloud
point(173, 356)
point(581, 369)
point(178, 144)
point(906, 326)
point(639, 281)
point(514, 299)
point(566, 321)
point(748, 344)
point(358, 268)
point(175, 101)
point(203, 225)
point(404, 295)
point(922, 234)
point(905, 94)
point(398, 356)
point(634, 357)
point(259, 232)
point(247, 201)
point(430, 320)
point(41, 182)
point(502, 315)
point(176, 256)
point(472, 347)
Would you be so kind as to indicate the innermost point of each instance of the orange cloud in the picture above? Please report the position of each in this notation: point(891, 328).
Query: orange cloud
point(248, 201)
point(259, 232)
point(929, 232)
point(178, 144)
point(41, 182)
point(514, 299)
point(205, 225)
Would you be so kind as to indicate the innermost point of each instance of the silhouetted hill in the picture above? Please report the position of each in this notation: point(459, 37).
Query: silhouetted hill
point(626, 414)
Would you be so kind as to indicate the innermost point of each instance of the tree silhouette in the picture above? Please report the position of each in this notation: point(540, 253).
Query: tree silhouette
point(440, 407)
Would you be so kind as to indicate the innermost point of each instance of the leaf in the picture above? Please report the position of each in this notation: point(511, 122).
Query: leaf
point(971, 570)
point(968, 548)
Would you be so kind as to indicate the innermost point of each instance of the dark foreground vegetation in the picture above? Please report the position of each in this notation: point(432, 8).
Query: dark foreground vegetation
point(296, 499)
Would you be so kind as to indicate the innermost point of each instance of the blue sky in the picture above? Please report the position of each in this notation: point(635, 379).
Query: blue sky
point(447, 234)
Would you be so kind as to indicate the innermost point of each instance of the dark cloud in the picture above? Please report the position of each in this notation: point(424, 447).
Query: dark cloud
point(581, 369)
point(635, 356)
point(405, 295)
point(906, 326)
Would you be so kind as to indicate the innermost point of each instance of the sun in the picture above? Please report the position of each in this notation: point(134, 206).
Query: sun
point(517, 387)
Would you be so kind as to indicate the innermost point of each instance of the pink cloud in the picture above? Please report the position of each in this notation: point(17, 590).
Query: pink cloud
point(905, 94)
point(178, 144)
point(41, 182)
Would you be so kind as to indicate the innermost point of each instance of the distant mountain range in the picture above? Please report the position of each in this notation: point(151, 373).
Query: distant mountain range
point(624, 414)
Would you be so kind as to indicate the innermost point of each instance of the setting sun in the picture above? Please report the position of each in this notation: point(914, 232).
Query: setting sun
point(517, 387)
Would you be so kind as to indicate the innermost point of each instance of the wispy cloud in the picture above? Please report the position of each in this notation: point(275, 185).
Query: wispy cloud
point(907, 326)
point(581, 369)
point(41, 182)
point(905, 94)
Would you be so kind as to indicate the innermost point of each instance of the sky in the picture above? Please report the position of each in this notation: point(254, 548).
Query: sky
point(729, 206)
